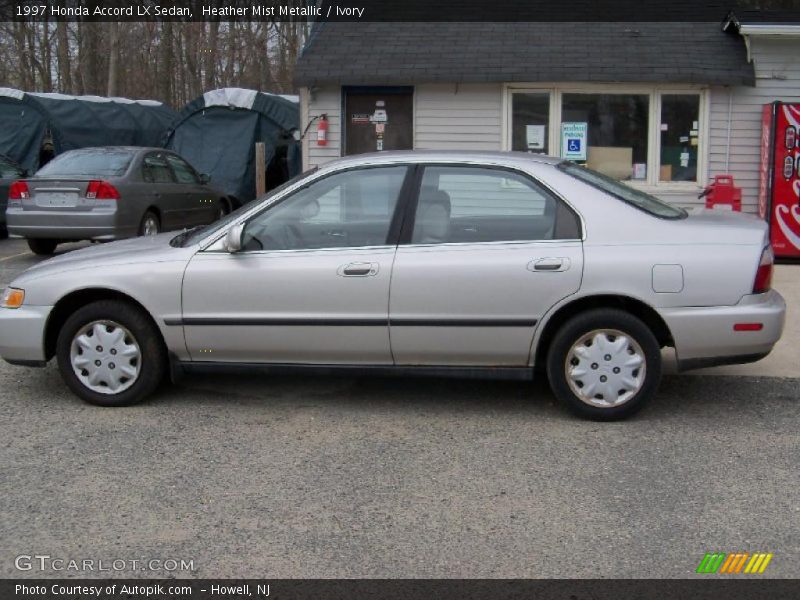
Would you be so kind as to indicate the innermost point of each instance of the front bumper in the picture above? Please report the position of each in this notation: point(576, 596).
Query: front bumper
point(704, 336)
point(67, 225)
point(22, 334)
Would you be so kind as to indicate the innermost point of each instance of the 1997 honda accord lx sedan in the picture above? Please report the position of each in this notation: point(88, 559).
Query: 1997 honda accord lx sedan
point(460, 264)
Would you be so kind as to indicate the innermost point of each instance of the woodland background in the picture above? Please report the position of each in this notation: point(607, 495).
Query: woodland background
point(173, 62)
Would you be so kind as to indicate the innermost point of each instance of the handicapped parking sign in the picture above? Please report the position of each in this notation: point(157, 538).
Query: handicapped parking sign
point(573, 140)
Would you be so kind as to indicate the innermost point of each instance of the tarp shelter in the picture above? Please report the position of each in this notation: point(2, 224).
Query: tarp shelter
point(217, 133)
point(28, 120)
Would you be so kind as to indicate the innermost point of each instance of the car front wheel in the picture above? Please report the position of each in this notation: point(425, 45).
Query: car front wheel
point(604, 364)
point(110, 354)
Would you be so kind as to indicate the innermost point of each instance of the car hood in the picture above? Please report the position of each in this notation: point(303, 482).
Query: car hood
point(141, 250)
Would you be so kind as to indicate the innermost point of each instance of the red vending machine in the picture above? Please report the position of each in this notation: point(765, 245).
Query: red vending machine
point(779, 192)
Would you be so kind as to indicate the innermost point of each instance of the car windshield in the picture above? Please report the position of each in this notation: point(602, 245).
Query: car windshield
point(626, 193)
point(88, 163)
point(192, 236)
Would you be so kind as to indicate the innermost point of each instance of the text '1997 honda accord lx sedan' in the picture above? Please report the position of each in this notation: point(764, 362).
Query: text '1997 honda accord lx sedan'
point(463, 264)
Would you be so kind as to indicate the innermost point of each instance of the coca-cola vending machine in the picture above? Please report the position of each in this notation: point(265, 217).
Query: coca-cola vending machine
point(779, 192)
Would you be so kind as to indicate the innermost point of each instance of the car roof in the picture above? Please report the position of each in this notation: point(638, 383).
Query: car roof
point(432, 156)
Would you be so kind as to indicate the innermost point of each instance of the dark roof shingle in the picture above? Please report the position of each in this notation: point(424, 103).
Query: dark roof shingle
point(377, 53)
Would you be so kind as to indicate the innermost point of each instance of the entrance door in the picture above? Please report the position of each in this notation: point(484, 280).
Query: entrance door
point(378, 119)
point(490, 252)
point(311, 282)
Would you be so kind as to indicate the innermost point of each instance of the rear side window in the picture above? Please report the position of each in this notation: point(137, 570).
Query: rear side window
point(184, 173)
point(476, 204)
point(156, 170)
point(629, 195)
point(99, 162)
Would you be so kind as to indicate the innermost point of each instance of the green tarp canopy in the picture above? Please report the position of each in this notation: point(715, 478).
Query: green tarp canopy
point(27, 120)
point(217, 133)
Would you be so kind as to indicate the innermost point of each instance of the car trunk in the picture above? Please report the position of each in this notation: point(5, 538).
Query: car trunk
point(58, 195)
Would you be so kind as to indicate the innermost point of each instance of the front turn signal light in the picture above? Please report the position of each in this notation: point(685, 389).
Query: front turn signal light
point(12, 298)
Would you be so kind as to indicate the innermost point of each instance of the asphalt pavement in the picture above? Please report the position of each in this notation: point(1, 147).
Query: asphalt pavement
point(356, 477)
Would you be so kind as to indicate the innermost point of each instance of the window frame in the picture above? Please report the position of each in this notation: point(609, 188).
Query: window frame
point(412, 202)
point(654, 92)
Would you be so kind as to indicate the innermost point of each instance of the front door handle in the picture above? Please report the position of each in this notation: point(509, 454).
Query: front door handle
point(358, 269)
point(549, 264)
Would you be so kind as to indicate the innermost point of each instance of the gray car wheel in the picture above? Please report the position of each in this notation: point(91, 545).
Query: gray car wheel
point(42, 246)
point(150, 224)
point(110, 353)
point(604, 364)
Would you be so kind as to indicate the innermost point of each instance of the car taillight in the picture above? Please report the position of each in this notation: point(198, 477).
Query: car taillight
point(763, 281)
point(19, 191)
point(101, 190)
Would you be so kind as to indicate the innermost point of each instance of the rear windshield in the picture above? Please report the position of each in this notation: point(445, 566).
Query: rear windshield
point(88, 163)
point(626, 193)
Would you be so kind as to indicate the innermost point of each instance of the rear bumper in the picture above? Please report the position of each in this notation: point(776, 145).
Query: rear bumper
point(67, 225)
point(22, 334)
point(704, 336)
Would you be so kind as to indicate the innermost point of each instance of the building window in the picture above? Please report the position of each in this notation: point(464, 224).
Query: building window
point(680, 137)
point(644, 135)
point(617, 131)
point(530, 121)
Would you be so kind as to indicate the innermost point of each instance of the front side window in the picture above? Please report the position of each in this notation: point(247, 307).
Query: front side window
point(346, 210)
point(184, 173)
point(474, 205)
point(637, 198)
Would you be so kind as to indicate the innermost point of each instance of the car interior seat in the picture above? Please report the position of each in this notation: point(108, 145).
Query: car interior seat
point(433, 217)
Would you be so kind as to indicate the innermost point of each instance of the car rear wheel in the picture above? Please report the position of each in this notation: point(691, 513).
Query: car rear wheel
point(222, 210)
point(111, 354)
point(150, 224)
point(43, 247)
point(604, 364)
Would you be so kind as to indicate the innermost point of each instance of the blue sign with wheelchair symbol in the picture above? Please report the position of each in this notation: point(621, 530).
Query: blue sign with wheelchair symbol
point(574, 137)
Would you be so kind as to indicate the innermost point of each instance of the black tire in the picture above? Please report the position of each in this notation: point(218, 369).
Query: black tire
point(149, 217)
point(222, 210)
point(42, 247)
point(590, 322)
point(152, 367)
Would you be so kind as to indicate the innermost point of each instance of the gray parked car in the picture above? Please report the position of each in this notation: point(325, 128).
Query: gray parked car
point(9, 172)
point(110, 193)
point(454, 264)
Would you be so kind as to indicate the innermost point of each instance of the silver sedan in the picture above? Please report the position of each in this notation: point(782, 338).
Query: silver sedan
point(446, 264)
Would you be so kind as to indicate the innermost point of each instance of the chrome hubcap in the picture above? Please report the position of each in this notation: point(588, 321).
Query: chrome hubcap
point(150, 226)
point(605, 368)
point(105, 357)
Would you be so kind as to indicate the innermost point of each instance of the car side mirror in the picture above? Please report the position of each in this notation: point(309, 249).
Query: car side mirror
point(205, 178)
point(233, 239)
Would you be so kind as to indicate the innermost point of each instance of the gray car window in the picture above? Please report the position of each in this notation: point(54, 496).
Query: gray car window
point(156, 170)
point(184, 173)
point(476, 204)
point(350, 209)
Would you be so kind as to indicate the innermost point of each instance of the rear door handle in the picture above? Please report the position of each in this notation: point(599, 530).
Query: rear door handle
point(358, 269)
point(549, 264)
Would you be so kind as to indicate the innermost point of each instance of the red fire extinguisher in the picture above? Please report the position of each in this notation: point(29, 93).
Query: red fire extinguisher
point(322, 131)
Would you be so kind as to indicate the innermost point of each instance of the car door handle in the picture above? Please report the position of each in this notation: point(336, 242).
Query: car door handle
point(358, 269)
point(549, 264)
